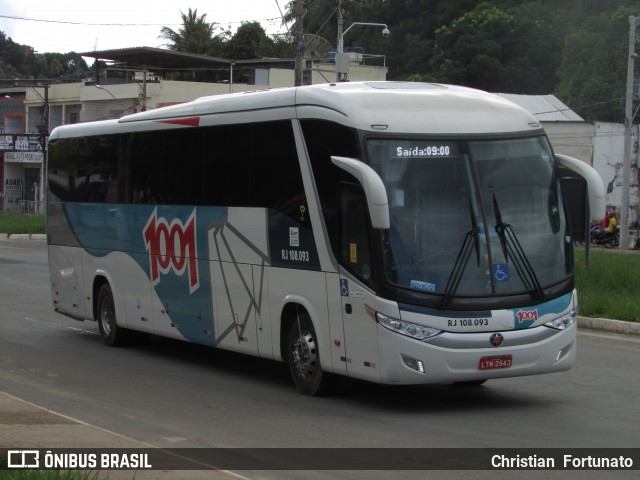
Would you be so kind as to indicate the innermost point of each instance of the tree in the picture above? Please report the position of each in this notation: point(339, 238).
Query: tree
point(20, 61)
point(515, 51)
point(594, 66)
point(195, 36)
point(250, 41)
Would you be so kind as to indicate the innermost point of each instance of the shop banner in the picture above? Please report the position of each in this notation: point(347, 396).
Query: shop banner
point(23, 157)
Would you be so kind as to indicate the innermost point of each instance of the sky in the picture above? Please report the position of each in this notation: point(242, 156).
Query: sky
point(70, 25)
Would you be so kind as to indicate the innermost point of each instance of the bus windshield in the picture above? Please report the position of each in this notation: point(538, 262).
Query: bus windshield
point(472, 218)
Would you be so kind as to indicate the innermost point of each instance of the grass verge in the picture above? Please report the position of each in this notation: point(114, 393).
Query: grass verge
point(18, 223)
point(608, 287)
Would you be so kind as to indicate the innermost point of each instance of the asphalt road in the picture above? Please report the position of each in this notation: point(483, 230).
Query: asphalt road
point(172, 394)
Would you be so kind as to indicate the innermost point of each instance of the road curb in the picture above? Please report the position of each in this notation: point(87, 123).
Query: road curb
point(23, 236)
point(607, 325)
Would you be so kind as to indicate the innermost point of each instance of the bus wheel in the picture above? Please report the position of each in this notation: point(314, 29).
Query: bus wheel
point(111, 334)
point(304, 357)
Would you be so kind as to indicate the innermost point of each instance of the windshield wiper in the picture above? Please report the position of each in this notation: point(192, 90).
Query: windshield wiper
point(471, 240)
point(511, 247)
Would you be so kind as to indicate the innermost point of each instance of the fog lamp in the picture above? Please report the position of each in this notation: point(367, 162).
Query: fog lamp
point(414, 364)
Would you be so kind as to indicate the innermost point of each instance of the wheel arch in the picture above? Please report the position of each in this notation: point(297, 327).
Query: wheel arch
point(292, 306)
point(100, 278)
point(290, 311)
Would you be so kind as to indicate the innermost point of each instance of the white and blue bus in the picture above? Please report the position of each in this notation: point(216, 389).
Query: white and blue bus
point(401, 233)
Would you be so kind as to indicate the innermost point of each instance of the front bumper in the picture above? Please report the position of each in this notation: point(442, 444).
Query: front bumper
point(455, 357)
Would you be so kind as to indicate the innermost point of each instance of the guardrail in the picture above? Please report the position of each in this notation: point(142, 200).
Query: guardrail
point(31, 207)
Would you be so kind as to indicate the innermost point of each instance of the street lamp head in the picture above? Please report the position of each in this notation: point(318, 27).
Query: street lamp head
point(385, 32)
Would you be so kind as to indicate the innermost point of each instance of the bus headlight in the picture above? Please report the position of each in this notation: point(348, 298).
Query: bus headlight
point(409, 329)
point(564, 321)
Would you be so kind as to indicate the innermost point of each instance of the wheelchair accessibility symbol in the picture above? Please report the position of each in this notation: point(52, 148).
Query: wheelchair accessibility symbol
point(501, 272)
point(344, 287)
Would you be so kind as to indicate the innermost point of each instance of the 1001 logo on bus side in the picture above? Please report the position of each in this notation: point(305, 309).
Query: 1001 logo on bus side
point(172, 246)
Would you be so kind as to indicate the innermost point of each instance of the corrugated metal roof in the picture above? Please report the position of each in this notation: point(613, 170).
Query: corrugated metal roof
point(160, 58)
point(546, 108)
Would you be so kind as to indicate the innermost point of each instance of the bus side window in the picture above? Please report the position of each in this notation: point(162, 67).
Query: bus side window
point(324, 139)
point(355, 250)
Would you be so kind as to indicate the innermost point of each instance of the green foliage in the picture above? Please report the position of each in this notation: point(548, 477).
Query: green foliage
point(199, 36)
point(497, 50)
point(594, 66)
point(196, 35)
point(16, 223)
point(250, 41)
point(607, 288)
point(578, 50)
point(320, 16)
point(20, 61)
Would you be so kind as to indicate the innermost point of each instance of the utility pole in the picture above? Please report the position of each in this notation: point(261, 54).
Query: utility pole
point(45, 112)
point(340, 46)
point(628, 132)
point(45, 135)
point(299, 43)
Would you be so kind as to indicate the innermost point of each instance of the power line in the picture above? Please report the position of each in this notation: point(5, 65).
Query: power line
point(603, 102)
point(69, 22)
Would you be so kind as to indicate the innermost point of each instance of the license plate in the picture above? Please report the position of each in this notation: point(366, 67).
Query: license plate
point(499, 361)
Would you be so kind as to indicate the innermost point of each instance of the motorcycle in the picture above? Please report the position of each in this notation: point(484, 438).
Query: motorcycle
point(604, 237)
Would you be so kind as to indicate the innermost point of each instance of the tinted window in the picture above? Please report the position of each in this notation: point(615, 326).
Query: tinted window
point(246, 165)
point(324, 139)
point(84, 169)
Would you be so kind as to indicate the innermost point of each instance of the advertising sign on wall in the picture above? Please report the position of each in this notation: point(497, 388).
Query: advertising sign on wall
point(28, 143)
point(13, 186)
point(6, 142)
point(23, 157)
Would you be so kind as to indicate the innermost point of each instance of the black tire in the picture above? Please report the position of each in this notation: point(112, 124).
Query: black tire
point(112, 335)
point(304, 357)
point(613, 241)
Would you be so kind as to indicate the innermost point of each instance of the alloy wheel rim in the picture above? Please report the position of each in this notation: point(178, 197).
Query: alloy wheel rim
point(304, 355)
point(106, 316)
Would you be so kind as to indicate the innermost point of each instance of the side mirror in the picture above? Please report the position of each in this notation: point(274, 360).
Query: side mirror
point(373, 187)
point(595, 187)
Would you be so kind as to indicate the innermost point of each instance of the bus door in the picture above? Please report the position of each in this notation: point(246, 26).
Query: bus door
point(360, 329)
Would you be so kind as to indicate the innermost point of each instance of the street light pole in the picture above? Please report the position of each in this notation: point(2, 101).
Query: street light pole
point(340, 68)
point(299, 43)
point(124, 109)
point(40, 191)
point(340, 21)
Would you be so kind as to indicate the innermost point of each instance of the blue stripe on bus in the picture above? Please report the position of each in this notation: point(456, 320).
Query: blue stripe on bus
point(190, 309)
